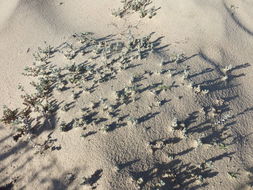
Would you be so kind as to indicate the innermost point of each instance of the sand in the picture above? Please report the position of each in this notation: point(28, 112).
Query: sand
point(135, 145)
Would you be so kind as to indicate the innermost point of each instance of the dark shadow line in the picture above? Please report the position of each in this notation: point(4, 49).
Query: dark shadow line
point(210, 62)
point(244, 28)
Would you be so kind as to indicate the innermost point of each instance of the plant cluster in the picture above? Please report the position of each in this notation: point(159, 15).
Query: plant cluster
point(139, 6)
point(226, 72)
point(39, 106)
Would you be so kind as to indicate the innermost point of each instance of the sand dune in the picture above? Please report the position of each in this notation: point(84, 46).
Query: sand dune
point(7, 9)
point(130, 138)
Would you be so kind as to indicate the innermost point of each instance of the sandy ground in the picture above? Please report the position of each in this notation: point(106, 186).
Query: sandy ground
point(209, 148)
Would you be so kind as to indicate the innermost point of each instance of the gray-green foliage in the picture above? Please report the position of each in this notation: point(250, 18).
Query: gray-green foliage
point(50, 77)
point(139, 6)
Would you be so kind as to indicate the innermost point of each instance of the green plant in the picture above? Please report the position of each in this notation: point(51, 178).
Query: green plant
point(135, 6)
point(233, 174)
point(9, 116)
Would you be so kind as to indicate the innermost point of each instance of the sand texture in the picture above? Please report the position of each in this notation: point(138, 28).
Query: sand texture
point(98, 95)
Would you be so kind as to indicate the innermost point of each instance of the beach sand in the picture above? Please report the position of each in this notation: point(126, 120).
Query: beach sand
point(180, 117)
